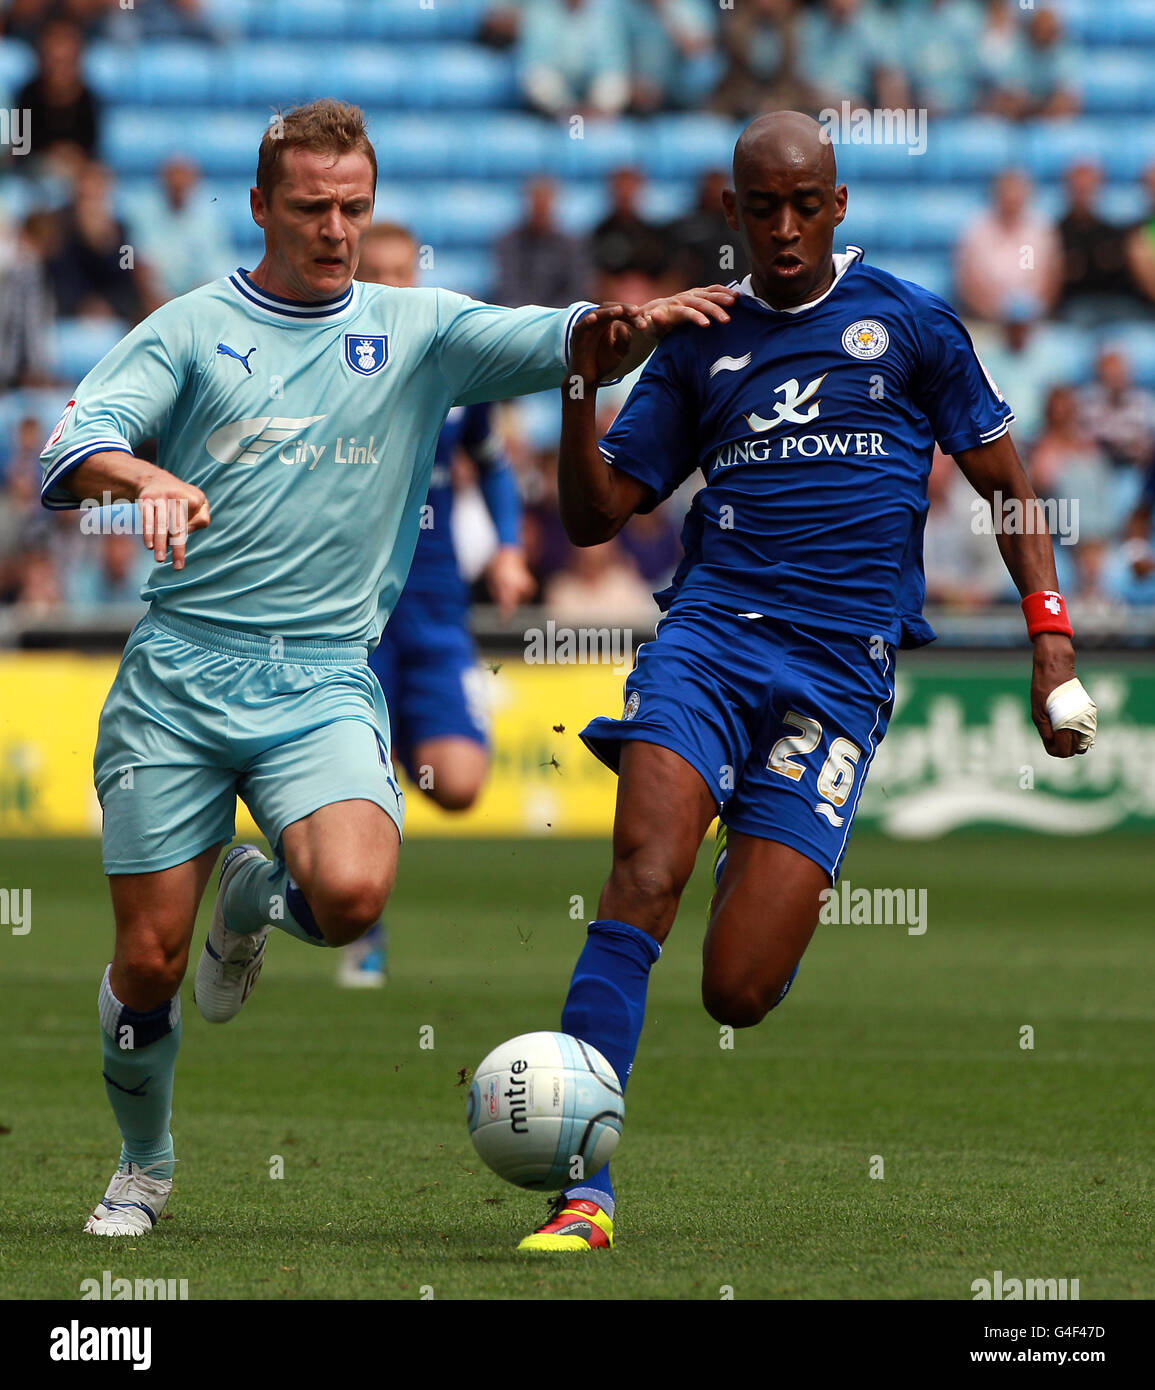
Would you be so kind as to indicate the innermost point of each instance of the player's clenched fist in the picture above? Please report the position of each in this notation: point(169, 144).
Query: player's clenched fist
point(1064, 714)
point(170, 510)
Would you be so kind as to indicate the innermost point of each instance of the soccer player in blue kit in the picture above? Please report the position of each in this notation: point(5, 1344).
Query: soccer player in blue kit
point(812, 412)
point(426, 660)
point(297, 413)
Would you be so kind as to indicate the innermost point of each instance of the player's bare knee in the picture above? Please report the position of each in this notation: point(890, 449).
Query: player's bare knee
point(738, 1007)
point(150, 970)
point(643, 892)
point(455, 796)
point(346, 908)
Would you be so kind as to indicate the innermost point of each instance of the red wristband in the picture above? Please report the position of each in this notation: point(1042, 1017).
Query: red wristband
point(1046, 611)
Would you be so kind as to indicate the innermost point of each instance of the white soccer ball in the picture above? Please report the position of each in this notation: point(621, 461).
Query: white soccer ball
point(545, 1111)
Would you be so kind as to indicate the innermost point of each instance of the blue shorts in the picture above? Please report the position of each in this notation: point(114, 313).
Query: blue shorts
point(781, 723)
point(427, 664)
point(199, 715)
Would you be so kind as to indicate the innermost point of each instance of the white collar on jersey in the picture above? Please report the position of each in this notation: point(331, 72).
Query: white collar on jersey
point(323, 310)
point(843, 260)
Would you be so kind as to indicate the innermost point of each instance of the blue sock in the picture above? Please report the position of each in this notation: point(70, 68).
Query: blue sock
point(138, 1056)
point(606, 1007)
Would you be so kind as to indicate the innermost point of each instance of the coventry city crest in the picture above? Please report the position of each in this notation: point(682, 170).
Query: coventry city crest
point(366, 353)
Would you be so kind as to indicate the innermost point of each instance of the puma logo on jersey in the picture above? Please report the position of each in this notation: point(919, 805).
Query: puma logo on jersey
point(262, 434)
point(786, 410)
point(227, 351)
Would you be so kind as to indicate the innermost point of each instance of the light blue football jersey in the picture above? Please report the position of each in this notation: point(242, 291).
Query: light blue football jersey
point(310, 427)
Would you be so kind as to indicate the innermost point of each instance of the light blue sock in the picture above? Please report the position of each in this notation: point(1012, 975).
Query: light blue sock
point(138, 1057)
point(606, 1006)
point(263, 891)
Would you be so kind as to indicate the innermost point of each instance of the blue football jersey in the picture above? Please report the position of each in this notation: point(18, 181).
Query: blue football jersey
point(814, 429)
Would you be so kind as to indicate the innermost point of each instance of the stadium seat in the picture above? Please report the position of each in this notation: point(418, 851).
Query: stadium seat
point(17, 64)
point(466, 271)
point(908, 217)
point(1047, 149)
point(79, 344)
point(595, 149)
point(223, 142)
point(161, 73)
point(451, 76)
point(276, 74)
point(971, 148)
point(1118, 80)
point(682, 147)
point(931, 272)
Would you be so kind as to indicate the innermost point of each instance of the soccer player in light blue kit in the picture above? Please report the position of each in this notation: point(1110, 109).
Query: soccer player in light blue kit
point(296, 412)
point(812, 414)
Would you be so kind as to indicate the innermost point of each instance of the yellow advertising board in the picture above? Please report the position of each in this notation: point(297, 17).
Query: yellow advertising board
point(543, 780)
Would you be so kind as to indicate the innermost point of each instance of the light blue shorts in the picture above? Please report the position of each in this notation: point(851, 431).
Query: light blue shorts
point(200, 714)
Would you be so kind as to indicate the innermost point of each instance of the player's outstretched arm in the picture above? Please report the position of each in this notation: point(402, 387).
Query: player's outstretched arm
point(170, 509)
point(701, 307)
point(595, 499)
point(1030, 559)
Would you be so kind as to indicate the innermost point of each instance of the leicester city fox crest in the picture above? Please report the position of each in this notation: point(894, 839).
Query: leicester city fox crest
point(366, 353)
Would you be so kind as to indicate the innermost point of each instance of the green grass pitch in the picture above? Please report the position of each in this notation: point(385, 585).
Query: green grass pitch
point(744, 1168)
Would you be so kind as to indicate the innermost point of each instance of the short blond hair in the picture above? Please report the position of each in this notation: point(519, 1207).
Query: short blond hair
point(325, 126)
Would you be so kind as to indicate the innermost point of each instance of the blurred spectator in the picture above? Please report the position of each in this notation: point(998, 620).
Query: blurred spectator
point(705, 249)
point(960, 557)
point(1021, 366)
point(940, 41)
point(95, 270)
point(599, 585)
point(1050, 69)
point(110, 569)
point(1027, 72)
point(1010, 252)
point(673, 59)
point(24, 19)
point(26, 311)
point(759, 43)
point(537, 263)
point(180, 232)
point(573, 57)
point(1120, 417)
point(846, 54)
point(27, 569)
point(1130, 570)
point(1139, 243)
point(624, 240)
point(1096, 286)
point(1066, 463)
point(62, 109)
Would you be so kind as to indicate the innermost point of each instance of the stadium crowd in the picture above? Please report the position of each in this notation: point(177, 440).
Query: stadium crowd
point(80, 262)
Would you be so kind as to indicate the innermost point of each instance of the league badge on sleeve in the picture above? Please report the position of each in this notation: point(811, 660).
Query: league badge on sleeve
point(54, 437)
point(366, 353)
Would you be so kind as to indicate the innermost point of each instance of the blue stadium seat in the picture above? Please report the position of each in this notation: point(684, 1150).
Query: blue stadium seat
point(451, 214)
point(909, 217)
point(972, 148)
point(682, 147)
point(224, 143)
point(164, 73)
point(17, 64)
point(452, 76)
point(466, 271)
point(1048, 148)
point(595, 149)
point(499, 146)
point(307, 19)
point(933, 273)
point(581, 206)
point(1126, 156)
point(418, 20)
point(1118, 80)
point(409, 146)
point(79, 344)
point(274, 74)
point(1068, 353)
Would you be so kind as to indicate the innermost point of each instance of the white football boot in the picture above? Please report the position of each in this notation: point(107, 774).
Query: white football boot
point(132, 1205)
point(231, 961)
